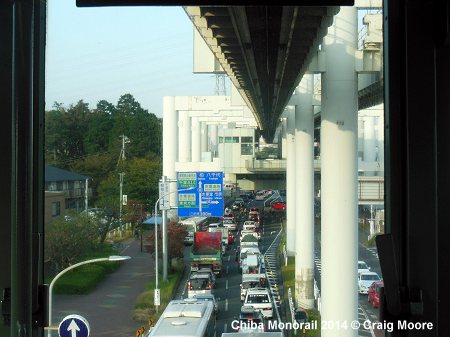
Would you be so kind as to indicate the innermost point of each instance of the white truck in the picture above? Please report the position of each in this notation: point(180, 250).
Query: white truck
point(192, 225)
point(246, 251)
point(220, 229)
point(253, 264)
point(251, 281)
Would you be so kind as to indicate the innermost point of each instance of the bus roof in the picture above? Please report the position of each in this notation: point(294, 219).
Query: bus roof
point(184, 318)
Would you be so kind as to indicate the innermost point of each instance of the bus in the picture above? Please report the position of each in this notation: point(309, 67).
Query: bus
point(193, 224)
point(188, 317)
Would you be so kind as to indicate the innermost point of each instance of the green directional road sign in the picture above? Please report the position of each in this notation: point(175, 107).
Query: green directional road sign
point(206, 199)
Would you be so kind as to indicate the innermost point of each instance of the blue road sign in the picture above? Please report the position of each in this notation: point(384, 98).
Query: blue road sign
point(73, 326)
point(207, 197)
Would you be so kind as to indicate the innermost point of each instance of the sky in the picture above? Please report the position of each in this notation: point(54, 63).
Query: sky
point(103, 53)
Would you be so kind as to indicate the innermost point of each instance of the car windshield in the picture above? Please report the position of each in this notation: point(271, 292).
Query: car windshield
point(252, 284)
point(362, 265)
point(370, 277)
point(199, 283)
point(257, 298)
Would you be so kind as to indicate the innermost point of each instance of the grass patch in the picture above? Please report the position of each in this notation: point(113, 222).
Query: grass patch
point(371, 241)
point(144, 310)
point(85, 278)
point(289, 282)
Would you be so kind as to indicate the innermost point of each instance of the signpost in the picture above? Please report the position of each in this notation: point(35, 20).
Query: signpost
point(164, 203)
point(157, 297)
point(206, 199)
point(73, 326)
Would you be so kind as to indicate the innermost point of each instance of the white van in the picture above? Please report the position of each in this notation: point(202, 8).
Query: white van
point(251, 281)
point(260, 298)
point(199, 284)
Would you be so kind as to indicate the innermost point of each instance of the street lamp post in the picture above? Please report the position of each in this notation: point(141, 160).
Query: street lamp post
point(156, 234)
point(50, 289)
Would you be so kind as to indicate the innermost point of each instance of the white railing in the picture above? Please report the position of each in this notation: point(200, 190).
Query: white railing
point(291, 305)
point(285, 255)
point(119, 231)
point(317, 295)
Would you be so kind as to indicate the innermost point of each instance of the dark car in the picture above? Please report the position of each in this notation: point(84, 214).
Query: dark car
point(237, 205)
point(301, 316)
point(245, 198)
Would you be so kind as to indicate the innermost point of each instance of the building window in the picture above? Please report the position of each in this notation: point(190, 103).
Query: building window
point(246, 149)
point(247, 140)
point(220, 139)
point(56, 208)
point(231, 139)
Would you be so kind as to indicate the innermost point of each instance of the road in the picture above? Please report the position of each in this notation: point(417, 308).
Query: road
point(370, 256)
point(227, 292)
point(109, 307)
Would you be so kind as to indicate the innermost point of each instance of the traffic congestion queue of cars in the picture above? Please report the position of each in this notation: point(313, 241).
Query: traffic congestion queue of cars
point(256, 300)
point(209, 239)
point(369, 283)
point(196, 314)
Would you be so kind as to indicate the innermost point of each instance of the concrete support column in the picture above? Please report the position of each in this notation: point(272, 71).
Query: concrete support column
point(380, 138)
point(304, 199)
point(290, 183)
point(184, 144)
point(213, 139)
point(370, 142)
point(203, 137)
point(339, 222)
point(284, 137)
point(170, 141)
point(195, 139)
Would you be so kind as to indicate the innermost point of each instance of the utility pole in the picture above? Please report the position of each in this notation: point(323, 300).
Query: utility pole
point(125, 140)
point(121, 197)
point(86, 195)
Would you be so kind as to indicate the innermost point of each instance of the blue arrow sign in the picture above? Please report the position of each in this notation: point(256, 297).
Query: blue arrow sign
point(207, 197)
point(73, 326)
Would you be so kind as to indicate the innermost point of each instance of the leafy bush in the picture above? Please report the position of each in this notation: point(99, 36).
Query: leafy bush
point(68, 240)
point(83, 279)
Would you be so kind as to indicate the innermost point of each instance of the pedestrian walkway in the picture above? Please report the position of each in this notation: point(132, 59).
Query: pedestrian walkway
point(109, 307)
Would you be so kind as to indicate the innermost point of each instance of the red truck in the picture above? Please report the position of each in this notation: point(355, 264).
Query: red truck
point(207, 252)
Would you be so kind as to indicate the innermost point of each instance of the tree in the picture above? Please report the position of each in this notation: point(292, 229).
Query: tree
point(141, 180)
point(67, 241)
point(99, 128)
point(176, 234)
point(140, 183)
point(65, 132)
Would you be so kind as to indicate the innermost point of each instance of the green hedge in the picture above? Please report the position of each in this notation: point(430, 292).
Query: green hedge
point(85, 278)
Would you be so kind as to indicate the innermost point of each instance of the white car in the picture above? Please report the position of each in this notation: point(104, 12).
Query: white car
point(249, 225)
point(362, 267)
point(251, 320)
point(365, 280)
point(260, 299)
point(230, 224)
point(251, 281)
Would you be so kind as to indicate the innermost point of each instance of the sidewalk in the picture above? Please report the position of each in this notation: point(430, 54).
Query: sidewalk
point(108, 308)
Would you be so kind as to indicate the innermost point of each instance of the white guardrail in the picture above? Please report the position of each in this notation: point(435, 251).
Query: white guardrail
point(291, 305)
point(285, 255)
point(317, 295)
